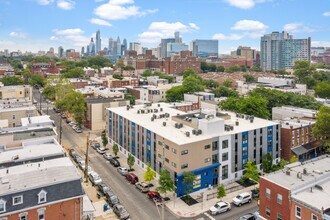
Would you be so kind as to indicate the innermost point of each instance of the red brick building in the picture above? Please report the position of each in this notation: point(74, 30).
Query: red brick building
point(299, 191)
point(46, 68)
point(177, 64)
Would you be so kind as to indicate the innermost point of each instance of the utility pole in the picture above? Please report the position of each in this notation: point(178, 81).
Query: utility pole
point(40, 100)
point(163, 167)
point(60, 129)
point(86, 159)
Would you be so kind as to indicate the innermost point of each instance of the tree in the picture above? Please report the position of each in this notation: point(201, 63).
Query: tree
point(49, 92)
point(322, 89)
point(303, 70)
point(227, 83)
point(220, 69)
point(204, 67)
point(188, 72)
point(267, 163)
point(11, 81)
point(210, 83)
point(149, 174)
point(321, 129)
point(222, 91)
point(165, 182)
point(146, 73)
point(251, 171)
point(256, 68)
point(175, 94)
point(131, 98)
point(117, 76)
point(104, 138)
point(76, 72)
point(192, 84)
point(98, 61)
point(130, 161)
point(221, 192)
point(249, 78)
point(115, 149)
point(282, 164)
point(37, 80)
point(188, 181)
point(293, 159)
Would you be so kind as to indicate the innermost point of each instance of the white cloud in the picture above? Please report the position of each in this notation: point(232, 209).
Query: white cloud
point(44, 2)
point(326, 13)
point(244, 4)
point(6, 44)
point(17, 34)
point(320, 43)
point(65, 4)
point(72, 36)
point(249, 25)
point(298, 27)
point(221, 36)
point(100, 22)
point(120, 9)
point(158, 30)
point(53, 38)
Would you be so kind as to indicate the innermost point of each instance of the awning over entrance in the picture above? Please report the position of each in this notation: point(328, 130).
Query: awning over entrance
point(302, 149)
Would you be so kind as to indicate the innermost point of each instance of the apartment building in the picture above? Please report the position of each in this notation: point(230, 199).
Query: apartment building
point(11, 112)
point(296, 132)
point(178, 63)
point(213, 145)
point(16, 92)
point(299, 191)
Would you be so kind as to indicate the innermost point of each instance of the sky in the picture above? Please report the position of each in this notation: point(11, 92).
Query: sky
point(33, 25)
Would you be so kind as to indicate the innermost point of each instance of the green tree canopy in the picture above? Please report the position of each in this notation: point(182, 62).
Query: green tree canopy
point(221, 192)
point(104, 138)
point(210, 83)
point(11, 81)
point(117, 76)
point(188, 72)
point(115, 149)
point(147, 73)
point(130, 161)
point(165, 182)
point(249, 78)
point(222, 91)
point(322, 89)
point(76, 72)
point(37, 80)
point(321, 129)
point(251, 171)
point(131, 98)
point(227, 83)
point(149, 174)
point(175, 94)
point(193, 84)
point(267, 163)
point(188, 181)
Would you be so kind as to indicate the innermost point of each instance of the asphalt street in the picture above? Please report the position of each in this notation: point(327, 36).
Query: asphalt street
point(136, 203)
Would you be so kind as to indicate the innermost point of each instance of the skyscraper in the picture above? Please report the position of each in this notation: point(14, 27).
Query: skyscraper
point(177, 37)
point(60, 52)
point(118, 47)
point(98, 42)
point(279, 51)
point(92, 48)
point(136, 47)
point(82, 51)
point(124, 45)
point(205, 48)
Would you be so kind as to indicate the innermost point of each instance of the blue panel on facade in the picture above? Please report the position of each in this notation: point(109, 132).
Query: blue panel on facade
point(269, 139)
point(110, 124)
point(133, 138)
point(121, 130)
point(245, 144)
point(204, 179)
point(148, 150)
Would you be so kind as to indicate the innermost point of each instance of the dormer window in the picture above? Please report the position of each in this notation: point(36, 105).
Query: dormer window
point(2, 205)
point(42, 196)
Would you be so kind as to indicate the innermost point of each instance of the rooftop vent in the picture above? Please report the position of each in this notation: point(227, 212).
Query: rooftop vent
point(164, 123)
point(305, 171)
point(188, 134)
point(317, 172)
point(319, 187)
point(237, 123)
point(287, 172)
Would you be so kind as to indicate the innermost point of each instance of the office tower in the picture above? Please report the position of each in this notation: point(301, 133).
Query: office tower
point(163, 45)
point(112, 48)
point(60, 51)
point(98, 42)
point(279, 51)
point(175, 48)
point(118, 47)
point(177, 37)
point(205, 48)
point(92, 48)
point(87, 50)
point(136, 47)
point(124, 45)
point(82, 51)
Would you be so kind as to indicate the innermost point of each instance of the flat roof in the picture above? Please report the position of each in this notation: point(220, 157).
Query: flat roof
point(15, 107)
point(103, 100)
point(317, 169)
point(179, 135)
point(34, 133)
point(295, 123)
point(32, 151)
point(34, 175)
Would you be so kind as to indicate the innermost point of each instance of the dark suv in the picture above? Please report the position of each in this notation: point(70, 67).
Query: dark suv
point(114, 162)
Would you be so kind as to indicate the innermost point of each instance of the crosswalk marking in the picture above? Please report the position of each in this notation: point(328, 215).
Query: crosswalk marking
point(209, 216)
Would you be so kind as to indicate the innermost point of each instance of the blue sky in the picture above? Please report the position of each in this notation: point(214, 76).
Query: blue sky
point(40, 24)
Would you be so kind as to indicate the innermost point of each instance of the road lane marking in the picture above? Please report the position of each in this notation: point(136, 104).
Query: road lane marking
point(209, 216)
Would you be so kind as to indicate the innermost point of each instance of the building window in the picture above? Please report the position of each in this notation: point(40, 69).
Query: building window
point(224, 172)
point(159, 155)
point(184, 166)
point(167, 160)
point(41, 214)
point(174, 150)
point(224, 144)
point(17, 200)
point(267, 193)
point(298, 212)
point(42, 196)
point(279, 216)
point(207, 147)
point(184, 152)
point(2, 205)
point(23, 216)
point(173, 164)
point(167, 147)
point(314, 217)
point(279, 199)
point(207, 160)
point(267, 211)
point(224, 156)
point(14, 117)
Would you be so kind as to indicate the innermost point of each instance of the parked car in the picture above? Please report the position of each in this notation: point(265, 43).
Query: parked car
point(114, 162)
point(72, 124)
point(72, 152)
point(95, 145)
point(81, 164)
point(248, 216)
point(120, 211)
point(155, 196)
point(122, 170)
point(100, 150)
point(242, 198)
point(95, 178)
point(255, 193)
point(67, 121)
point(111, 198)
point(132, 178)
point(142, 186)
point(77, 158)
point(103, 188)
point(107, 156)
point(63, 116)
point(89, 171)
point(220, 207)
point(78, 130)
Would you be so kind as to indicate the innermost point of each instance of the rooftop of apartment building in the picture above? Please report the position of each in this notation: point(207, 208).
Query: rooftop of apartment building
point(280, 113)
point(32, 150)
point(100, 90)
point(293, 123)
point(97, 99)
point(14, 87)
point(17, 107)
point(33, 175)
point(75, 80)
point(183, 128)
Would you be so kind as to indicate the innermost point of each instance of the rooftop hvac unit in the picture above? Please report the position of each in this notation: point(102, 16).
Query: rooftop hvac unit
point(189, 119)
point(161, 109)
point(199, 131)
point(158, 105)
point(237, 123)
point(167, 115)
point(251, 120)
point(176, 125)
point(155, 110)
point(180, 125)
point(194, 131)
point(138, 111)
point(151, 111)
point(246, 117)
point(164, 123)
point(188, 134)
point(127, 107)
point(152, 119)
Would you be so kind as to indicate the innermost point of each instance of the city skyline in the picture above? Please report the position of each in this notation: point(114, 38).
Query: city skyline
point(71, 24)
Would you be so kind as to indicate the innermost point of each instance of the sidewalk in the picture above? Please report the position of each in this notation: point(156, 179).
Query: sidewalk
point(180, 208)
